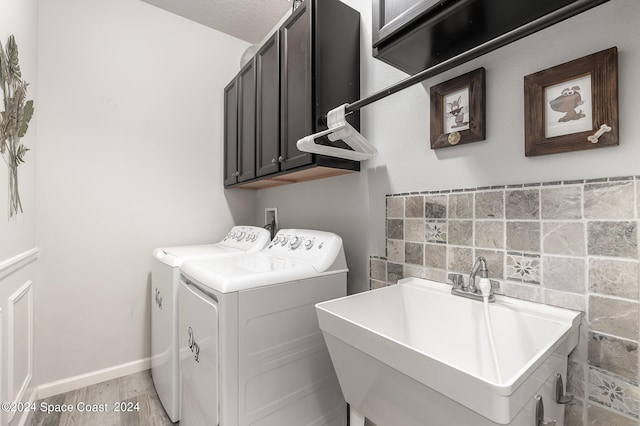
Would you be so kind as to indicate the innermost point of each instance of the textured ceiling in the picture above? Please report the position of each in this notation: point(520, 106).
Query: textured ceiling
point(249, 20)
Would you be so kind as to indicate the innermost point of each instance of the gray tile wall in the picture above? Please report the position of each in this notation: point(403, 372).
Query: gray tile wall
point(572, 244)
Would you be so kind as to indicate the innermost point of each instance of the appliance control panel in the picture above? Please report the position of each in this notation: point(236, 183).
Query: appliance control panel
point(246, 237)
point(317, 248)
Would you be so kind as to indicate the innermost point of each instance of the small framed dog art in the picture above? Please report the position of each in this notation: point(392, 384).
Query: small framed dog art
point(458, 110)
point(573, 106)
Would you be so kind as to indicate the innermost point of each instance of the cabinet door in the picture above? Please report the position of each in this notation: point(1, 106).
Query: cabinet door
point(296, 80)
point(247, 122)
point(390, 15)
point(268, 107)
point(231, 133)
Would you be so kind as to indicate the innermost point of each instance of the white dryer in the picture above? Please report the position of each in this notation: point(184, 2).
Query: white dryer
point(165, 276)
point(251, 351)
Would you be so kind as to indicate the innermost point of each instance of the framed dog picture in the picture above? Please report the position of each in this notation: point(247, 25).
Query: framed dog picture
point(573, 106)
point(458, 110)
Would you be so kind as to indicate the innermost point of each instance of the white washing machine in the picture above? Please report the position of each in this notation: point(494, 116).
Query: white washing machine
point(251, 351)
point(165, 275)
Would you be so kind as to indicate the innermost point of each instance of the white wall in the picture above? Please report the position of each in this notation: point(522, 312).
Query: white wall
point(354, 205)
point(20, 18)
point(130, 158)
point(18, 265)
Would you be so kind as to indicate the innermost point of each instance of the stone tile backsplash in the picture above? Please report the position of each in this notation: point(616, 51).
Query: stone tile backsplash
point(572, 244)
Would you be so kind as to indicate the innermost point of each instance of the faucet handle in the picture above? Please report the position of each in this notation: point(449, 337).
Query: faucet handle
point(457, 280)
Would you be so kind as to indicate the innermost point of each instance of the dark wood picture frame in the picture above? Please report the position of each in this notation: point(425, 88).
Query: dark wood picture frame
point(602, 105)
point(473, 129)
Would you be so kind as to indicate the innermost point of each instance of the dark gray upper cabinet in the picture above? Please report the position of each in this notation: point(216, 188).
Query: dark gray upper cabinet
point(231, 133)
point(247, 122)
point(296, 91)
point(414, 35)
point(320, 70)
point(310, 66)
point(268, 107)
point(240, 127)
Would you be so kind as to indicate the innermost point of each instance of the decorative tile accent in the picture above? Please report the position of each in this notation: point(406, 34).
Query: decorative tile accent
point(395, 207)
point(436, 232)
point(563, 238)
point(414, 253)
point(461, 206)
point(489, 205)
point(564, 274)
point(614, 316)
point(612, 277)
point(523, 236)
point(523, 268)
point(614, 392)
point(460, 232)
point(561, 202)
point(609, 200)
point(522, 204)
point(435, 256)
point(617, 239)
point(395, 229)
point(414, 230)
point(435, 206)
point(490, 234)
point(614, 355)
point(414, 206)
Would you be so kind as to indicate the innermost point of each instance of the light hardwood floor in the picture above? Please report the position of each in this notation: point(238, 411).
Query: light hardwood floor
point(135, 394)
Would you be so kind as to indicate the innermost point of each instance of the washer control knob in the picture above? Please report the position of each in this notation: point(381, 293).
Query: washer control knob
point(295, 242)
point(284, 240)
point(240, 236)
point(308, 244)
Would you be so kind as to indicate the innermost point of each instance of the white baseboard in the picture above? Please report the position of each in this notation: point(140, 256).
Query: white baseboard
point(26, 414)
point(72, 383)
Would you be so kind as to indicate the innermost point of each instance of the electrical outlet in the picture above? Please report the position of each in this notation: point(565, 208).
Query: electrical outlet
point(271, 216)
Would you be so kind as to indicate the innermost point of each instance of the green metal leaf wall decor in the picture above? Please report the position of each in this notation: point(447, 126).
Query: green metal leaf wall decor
point(14, 120)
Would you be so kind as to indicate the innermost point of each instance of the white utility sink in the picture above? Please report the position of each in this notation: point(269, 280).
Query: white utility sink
point(413, 354)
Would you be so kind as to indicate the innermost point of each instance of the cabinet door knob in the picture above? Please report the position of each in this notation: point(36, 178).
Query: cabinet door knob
point(236, 174)
point(273, 161)
point(281, 159)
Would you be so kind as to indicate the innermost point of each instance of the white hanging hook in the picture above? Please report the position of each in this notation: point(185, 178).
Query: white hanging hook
point(339, 129)
point(603, 129)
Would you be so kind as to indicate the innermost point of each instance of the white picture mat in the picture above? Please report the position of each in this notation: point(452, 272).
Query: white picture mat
point(449, 119)
point(554, 127)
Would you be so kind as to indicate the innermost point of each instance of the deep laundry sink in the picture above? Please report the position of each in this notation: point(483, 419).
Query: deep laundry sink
point(413, 354)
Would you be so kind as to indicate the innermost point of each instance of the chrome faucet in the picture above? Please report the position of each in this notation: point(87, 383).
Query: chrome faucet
point(470, 290)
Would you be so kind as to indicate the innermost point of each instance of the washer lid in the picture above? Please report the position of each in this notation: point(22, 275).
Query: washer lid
point(174, 256)
point(240, 239)
point(248, 271)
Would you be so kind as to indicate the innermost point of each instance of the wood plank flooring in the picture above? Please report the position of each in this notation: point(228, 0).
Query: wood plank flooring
point(134, 395)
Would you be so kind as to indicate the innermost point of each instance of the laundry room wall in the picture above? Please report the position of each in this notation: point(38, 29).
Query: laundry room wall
point(17, 234)
point(354, 205)
point(131, 159)
point(18, 252)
